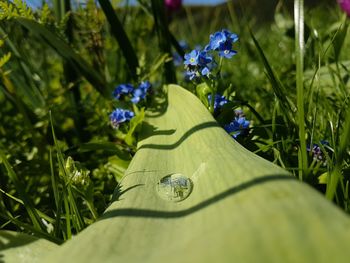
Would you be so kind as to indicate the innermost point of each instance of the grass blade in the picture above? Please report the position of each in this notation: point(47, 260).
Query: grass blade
point(164, 38)
point(341, 153)
point(72, 214)
point(28, 204)
point(299, 57)
point(32, 91)
point(118, 32)
point(280, 92)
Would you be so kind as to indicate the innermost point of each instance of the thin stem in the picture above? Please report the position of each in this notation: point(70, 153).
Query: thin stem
point(299, 54)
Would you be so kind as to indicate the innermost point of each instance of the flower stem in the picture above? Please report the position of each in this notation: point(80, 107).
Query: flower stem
point(299, 55)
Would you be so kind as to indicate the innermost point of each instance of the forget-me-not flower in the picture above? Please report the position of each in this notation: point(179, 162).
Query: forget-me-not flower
point(122, 89)
point(119, 116)
point(216, 40)
point(238, 126)
point(191, 59)
point(198, 63)
point(316, 150)
point(222, 42)
point(219, 101)
point(140, 92)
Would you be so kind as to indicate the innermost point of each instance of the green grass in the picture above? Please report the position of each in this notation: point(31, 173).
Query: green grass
point(290, 76)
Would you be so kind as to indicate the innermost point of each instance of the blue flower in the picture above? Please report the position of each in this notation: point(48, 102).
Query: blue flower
point(198, 63)
point(222, 41)
point(205, 71)
point(122, 89)
point(119, 116)
point(201, 62)
point(192, 58)
point(190, 74)
point(216, 40)
point(233, 37)
point(226, 50)
point(238, 126)
point(140, 92)
point(204, 59)
point(316, 150)
point(206, 63)
point(219, 101)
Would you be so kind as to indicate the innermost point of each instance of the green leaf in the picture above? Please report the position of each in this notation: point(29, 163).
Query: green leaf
point(323, 178)
point(242, 208)
point(19, 247)
point(4, 59)
point(203, 90)
point(135, 123)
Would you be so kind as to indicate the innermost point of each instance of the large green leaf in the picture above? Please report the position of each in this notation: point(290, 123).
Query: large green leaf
point(241, 209)
point(19, 248)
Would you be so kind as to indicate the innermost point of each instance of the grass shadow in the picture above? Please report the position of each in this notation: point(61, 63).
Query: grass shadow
point(205, 125)
point(8, 241)
point(159, 105)
point(149, 130)
point(118, 192)
point(146, 213)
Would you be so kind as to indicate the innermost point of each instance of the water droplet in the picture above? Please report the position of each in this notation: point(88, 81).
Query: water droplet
point(174, 187)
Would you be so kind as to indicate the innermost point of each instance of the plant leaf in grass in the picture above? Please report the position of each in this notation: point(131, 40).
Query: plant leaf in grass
point(135, 123)
point(19, 247)
point(196, 195)
point(203, 90)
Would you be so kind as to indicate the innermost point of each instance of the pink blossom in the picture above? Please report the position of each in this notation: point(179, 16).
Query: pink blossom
point(173, 5)
point(345, 5)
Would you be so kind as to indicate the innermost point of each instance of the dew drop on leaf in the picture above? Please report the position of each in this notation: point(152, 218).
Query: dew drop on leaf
point(174, 187)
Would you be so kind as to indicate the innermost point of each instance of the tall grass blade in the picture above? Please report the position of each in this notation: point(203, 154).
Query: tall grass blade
point(341, 153)
point(299, 61)
point(164, 38)
point(340, 37)
point(72, 214)
point(118, 32)
point(54, 182)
